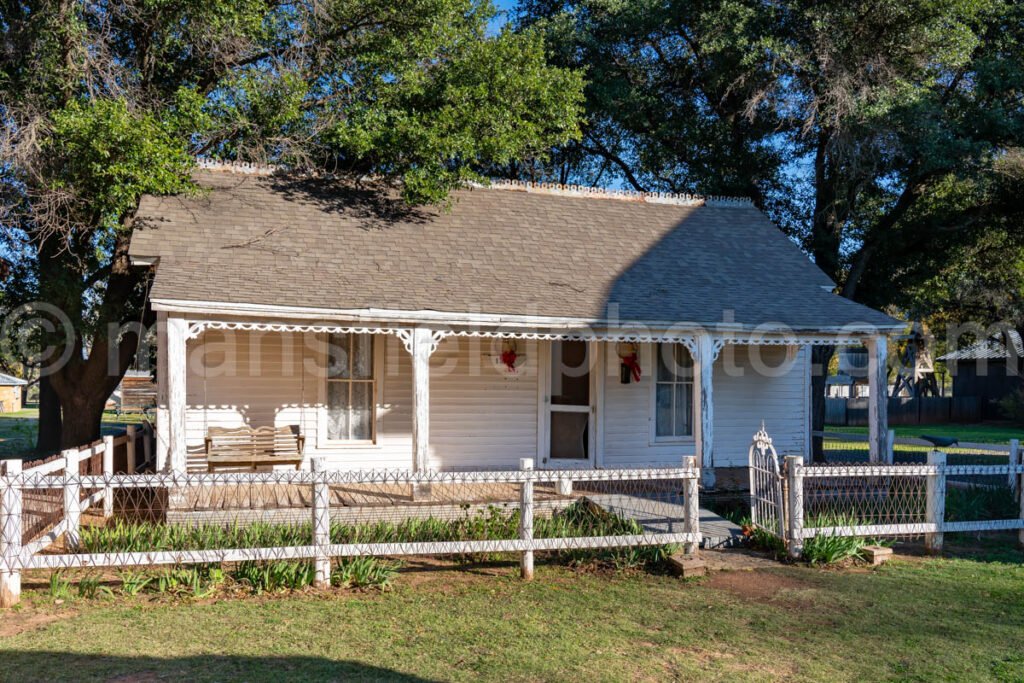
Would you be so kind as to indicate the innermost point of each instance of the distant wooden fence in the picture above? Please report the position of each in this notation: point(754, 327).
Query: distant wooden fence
point(853, 412)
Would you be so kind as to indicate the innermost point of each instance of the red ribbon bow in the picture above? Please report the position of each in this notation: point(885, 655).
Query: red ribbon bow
point(508, 357)
point(633, 364)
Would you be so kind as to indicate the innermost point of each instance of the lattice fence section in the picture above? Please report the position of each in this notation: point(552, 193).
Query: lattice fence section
point(904, 500)
point(860, 496)
point(162, 519)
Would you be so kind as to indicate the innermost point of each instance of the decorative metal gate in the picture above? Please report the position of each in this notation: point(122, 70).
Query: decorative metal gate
point(767, 497)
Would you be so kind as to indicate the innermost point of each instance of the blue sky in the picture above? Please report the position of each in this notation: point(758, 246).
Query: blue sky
point(503, 7)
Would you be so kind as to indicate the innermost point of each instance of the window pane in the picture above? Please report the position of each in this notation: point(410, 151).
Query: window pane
point(569, 435)
point(684, 362)
point(362, 356)
point(663, 410)
point(664, 353)
point(337, 355)
point(570, 373)
point(682, 409)
point(337, 410)
point(362, 411)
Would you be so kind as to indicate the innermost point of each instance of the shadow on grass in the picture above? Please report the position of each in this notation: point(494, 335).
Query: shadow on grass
point(998, 547)
point(57, 666)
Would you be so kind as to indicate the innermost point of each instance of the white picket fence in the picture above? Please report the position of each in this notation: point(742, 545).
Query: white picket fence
point(662, 504)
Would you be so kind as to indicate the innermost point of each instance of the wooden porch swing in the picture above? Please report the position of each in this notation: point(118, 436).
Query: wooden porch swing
point(255, 447)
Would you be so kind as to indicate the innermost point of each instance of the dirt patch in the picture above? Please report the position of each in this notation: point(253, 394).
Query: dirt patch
point(737, 559)
point(14, 623)
point(759, 586)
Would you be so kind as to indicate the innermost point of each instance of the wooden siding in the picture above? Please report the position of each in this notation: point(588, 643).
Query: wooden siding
point(480, 417)
point(743, 400)
point(255, 381)
point(11, 397)
point(137, 393)
point(628, 414)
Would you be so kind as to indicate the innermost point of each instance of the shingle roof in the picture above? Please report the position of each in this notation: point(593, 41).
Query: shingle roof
point(9, 381)
point(323, 244)
point(993, 348)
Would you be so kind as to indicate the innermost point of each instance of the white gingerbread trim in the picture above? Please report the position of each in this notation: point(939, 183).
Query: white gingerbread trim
point(406, 335)
point(242, 167)
point(622, 335)
point(197, 327)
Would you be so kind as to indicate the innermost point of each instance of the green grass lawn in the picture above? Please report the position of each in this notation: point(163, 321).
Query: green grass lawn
point(914, 619)
point(18, 430)
point(975, 433)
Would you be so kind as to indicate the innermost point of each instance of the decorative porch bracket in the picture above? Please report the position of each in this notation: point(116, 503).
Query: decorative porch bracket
point(705, 349)
point(420, 342)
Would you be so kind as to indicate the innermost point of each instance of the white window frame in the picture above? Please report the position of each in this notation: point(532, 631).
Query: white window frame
point(690, 438)
point(378, 398)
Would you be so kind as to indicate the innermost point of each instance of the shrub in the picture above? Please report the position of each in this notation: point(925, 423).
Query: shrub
point(60, 588)
point(827, 549)
point(979, 503)
point(89, 587)
point(133, 583)
point(198, 581)
point(1012, 407)
point(278, 575)
point(363, 572)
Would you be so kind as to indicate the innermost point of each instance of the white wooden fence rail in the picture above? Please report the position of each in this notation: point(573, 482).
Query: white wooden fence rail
point(14, 484)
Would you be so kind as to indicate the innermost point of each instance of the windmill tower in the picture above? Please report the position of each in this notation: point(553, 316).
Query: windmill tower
point(915, 371)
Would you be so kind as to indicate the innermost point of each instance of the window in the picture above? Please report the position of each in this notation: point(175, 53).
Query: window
point(673, 392)
point(351, 388)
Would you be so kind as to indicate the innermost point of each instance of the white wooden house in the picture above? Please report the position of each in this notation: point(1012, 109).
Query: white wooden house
point(499, 327)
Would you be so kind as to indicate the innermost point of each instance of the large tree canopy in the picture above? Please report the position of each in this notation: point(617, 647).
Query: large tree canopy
point(871, 130)
point(102, 102)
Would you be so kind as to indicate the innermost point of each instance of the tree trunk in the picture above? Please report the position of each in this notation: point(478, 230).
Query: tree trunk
point(821, 356)
point(83, 384)
point(48, 437)
point(81, 423)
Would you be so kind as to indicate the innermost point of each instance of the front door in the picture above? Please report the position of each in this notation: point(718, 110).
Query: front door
point(570, 400)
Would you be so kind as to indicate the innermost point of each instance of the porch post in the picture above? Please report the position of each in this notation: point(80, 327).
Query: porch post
point(878, 402)
point(705, 351)
point(421, 343)
point(162, 430)
point(177, 331)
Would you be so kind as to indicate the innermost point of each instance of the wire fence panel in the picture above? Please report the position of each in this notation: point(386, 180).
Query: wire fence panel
point(43, 508)
point(911, 499)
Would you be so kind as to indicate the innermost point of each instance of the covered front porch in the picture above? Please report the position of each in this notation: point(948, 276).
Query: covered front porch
point(474, 397)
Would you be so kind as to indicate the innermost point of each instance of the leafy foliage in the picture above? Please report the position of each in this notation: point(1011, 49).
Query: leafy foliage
point(103, 102)
point(980, 503)
point(363, 572)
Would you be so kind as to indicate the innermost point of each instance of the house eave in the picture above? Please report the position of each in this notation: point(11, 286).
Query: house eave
point(392, 317)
